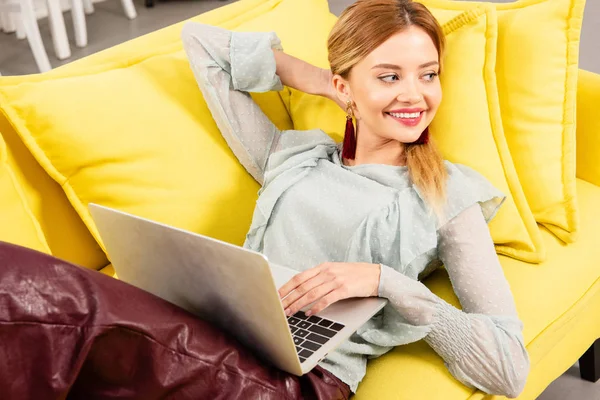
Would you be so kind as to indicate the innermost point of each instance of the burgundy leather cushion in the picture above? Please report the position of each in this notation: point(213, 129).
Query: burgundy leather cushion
point(71, 331)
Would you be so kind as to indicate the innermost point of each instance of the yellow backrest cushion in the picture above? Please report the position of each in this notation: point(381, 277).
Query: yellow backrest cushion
point(17, 223)
point(536, 71)
point(140, 138)
point(477, 141)
point(588, 127)
point(66, 234)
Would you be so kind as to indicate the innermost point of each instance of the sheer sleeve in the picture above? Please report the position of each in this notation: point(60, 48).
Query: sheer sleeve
point(227, 65)
point(482, 344)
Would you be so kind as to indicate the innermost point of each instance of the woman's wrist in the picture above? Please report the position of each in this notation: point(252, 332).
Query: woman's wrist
point(303, 76)
point(377, 268)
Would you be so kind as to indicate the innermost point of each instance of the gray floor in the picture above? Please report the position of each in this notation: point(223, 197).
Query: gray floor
point(108, 27)
point(569, 386)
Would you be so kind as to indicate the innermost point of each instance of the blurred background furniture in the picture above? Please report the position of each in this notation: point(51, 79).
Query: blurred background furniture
point(128, 7)
point(58, 30)
point(20, 17)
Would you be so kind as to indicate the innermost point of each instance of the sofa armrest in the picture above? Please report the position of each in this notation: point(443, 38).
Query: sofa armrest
point(588, 127)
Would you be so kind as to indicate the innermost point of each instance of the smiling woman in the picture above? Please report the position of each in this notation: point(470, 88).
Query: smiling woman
point(369, 223)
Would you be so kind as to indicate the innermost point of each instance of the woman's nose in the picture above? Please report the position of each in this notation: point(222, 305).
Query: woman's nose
point(410, 93)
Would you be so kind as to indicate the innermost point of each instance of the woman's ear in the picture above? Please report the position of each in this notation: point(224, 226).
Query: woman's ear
point(342, 88)
point(344, 93)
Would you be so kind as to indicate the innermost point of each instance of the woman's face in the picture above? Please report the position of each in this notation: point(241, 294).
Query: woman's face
point(396, 89)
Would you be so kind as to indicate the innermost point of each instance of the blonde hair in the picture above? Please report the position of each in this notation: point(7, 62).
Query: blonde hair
point(361, 28)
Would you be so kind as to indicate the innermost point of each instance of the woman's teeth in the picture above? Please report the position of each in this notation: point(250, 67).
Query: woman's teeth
point(405, 115)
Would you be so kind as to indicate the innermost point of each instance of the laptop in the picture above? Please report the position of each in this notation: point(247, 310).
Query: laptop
point(230, 286)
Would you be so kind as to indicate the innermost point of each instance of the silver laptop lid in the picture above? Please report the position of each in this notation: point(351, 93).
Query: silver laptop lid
point(217, 281)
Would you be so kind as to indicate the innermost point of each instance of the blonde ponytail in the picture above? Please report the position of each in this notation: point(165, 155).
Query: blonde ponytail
point(428, 173)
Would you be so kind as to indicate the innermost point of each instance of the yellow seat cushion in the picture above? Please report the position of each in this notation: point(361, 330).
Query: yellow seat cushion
point(552, 299)
point(18, 224)
point(477, 141)
point(140, 138)
point(66, 234)
point(536, 71)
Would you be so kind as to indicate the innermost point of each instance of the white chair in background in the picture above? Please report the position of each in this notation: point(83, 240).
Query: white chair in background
point(28, 27)
point(59, 32)
point(17, 19)
point(19, 16)
point(128, 7)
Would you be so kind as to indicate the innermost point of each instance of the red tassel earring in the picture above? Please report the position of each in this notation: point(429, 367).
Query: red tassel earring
point(349, 146)
point(424, 138)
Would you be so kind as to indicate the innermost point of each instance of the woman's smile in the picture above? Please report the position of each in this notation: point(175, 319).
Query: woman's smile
point(410, 117)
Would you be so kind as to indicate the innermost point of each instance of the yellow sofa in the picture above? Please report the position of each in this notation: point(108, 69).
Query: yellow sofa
point(558, 300)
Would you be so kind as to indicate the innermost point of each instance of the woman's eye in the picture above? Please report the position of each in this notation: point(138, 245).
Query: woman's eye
point(389, 78)
point(431, 76)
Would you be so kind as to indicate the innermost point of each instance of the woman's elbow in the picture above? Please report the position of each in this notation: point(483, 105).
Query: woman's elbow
point(516, 380)
point(515, 388)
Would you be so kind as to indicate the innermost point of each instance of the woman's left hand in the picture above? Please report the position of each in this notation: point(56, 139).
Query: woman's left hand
point(327, 283)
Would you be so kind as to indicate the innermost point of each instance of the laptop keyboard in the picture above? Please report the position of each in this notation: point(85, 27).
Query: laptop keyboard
point(311, 333)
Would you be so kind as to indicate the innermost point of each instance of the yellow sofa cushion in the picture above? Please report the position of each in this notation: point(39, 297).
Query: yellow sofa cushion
point(548, 301)
point(140, 138)
point(536, 71)
point(477, 141)
point(66, 234)
point(18, 224)
point(110, 271)
point(588, 127)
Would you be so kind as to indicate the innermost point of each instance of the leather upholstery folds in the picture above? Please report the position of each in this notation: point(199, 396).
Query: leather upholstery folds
point(70, 332)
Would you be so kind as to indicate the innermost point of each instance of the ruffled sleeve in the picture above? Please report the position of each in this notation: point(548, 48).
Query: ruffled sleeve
point(482, 344)
point(467, 187)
